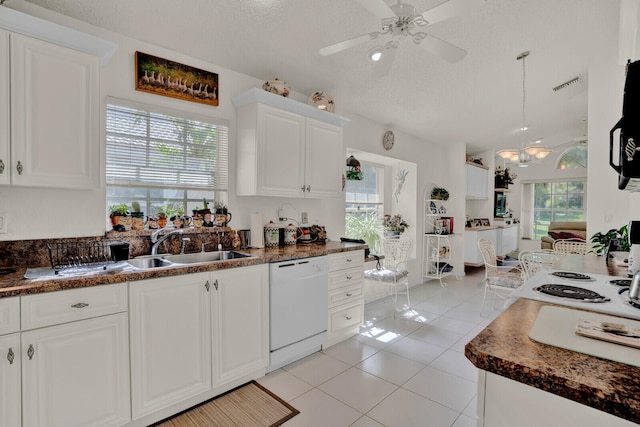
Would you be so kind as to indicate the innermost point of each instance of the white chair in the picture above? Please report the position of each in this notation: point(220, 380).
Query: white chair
point(571, 246)
point(532, 261)
point(499, 280)
point(393, 273)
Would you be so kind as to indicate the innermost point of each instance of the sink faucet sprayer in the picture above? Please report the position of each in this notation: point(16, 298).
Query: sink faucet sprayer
point(155, 240)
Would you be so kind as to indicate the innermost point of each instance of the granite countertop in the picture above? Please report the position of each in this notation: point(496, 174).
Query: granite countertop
point(14, 284)
point(504, 348)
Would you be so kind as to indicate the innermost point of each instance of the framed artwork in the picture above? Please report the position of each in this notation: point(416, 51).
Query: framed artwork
point(477, 223)
point(485, 222)
point(168, 78)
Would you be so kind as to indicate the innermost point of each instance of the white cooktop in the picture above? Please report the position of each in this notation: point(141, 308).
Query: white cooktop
point(618, 304)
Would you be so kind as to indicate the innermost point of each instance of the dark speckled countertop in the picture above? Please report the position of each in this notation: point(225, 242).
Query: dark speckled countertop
point(15, 284)
point(504, 348)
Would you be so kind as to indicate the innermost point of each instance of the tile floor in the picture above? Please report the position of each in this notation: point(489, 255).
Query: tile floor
point(402, 370)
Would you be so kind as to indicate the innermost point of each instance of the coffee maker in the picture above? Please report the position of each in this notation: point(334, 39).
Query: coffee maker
point(634, 242)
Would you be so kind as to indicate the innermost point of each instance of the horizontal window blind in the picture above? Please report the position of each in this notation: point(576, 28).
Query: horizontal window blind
point(155, 150)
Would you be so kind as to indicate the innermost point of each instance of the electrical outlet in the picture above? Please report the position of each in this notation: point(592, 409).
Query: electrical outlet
point(304, 218)
point(3, 222)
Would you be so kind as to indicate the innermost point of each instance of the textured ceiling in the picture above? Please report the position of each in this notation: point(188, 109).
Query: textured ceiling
point(477, 100)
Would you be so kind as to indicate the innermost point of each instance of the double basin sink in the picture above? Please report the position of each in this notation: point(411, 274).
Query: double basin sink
point(147, 262)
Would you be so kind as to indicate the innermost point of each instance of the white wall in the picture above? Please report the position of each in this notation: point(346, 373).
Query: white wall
point(60, 213)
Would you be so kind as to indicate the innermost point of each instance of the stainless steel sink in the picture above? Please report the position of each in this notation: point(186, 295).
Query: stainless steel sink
point(146, 263)
point(204, 257)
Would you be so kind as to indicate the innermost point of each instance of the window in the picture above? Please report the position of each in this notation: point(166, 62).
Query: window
point(166, 162)
point(555, 201)
point(572, 158)
point(365, 205)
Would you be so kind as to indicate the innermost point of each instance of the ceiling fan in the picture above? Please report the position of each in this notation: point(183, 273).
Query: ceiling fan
point(402, 21)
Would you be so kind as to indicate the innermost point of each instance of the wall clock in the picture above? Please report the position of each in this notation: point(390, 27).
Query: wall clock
point(388, 140)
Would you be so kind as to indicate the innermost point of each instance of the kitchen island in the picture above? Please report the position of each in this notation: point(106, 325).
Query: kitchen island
point(515, 371)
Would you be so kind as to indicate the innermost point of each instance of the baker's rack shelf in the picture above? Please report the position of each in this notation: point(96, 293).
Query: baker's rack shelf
point(436, 244)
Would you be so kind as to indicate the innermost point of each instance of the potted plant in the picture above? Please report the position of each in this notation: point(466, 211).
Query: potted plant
point(394, 224)
point(439, 193)
point(504, 177)
point(117, 213)
point(613, 240)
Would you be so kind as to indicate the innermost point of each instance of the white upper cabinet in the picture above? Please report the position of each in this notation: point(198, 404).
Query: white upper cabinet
point(5, 117)
point(477, 182)
point(54, 115)
point(287, 148)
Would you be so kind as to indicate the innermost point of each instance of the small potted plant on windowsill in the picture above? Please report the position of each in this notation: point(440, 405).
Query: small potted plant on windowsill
point(117, 214)
point(394, 225)
point(439, 193)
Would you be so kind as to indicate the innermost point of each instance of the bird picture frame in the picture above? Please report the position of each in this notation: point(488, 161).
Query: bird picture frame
point(164, 77)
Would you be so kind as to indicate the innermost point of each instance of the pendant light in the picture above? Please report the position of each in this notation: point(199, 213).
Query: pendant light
point(532, 152)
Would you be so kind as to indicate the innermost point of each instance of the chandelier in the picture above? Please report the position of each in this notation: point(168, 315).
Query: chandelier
point(534, 152)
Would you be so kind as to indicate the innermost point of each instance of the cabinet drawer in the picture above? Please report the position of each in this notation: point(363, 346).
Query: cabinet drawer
point(342, 278)
point(345, 295)
point(9, 315)
point(345, 316)
point(76, 304)
point(344, 260)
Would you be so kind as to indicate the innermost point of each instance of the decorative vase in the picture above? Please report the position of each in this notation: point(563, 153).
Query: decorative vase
point(322, 101)
point(277, 86)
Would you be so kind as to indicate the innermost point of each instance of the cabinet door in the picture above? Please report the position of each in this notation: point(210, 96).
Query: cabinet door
point(5, 162)
point(240, 322)
point(324, 164)
point(171, 341)
point(10, 380)
point(280, 153)
point(55, 120)
point(77, 374)
point(477, 182)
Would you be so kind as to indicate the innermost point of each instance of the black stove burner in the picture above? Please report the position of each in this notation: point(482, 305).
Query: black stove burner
point(620, 282)
point(571, 276)
point(571, 292)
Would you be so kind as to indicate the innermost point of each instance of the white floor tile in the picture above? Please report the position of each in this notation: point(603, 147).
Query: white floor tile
point(284, 384)
point(436, 335)
point(365, 421)
point(457, 364)
point(350, 351)
point(316, 368)
point(417, 350)
point(464, 421)
point(318, 409)
point(442, 387)
point(404, 408)
point(358, 389)
point(391, 367)
point(454, 324)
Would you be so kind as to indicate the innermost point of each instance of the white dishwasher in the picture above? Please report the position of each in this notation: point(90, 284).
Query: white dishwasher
point(298, 309)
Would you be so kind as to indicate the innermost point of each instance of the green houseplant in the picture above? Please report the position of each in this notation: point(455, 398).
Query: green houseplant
point(394, 223)
point(439, 193)
point(612, 240)
point(117, 213)
point(365, 226)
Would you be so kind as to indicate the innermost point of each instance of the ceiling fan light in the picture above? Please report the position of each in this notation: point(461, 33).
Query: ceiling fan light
point(537, 151)
point(508, 154)
point(375, 54)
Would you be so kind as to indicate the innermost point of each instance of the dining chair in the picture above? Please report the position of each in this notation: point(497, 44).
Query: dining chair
point(499, 280)
point(532, 261)
point(571, 246)
point(393, 273)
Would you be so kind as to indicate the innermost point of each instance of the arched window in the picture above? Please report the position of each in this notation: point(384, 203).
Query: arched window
point(573, 157)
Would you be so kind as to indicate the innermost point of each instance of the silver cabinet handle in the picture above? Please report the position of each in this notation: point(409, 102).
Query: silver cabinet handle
point(308, 189)
point(19, 168)
point(31, 351)
point(206, 285)
point(1, 166)
point(349, 317)
point(349, 277)
point(80, 305)
point(303, 188)
point(349, 294)
point(349, 260)
point(215, 284)
point(10, 356)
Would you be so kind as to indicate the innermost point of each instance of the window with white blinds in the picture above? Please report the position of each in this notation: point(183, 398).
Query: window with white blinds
point(167, 161)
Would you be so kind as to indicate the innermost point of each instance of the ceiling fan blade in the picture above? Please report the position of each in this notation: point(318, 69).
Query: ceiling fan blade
point(346, 44)
point(383, 66)
point(377, 7)
point(444, 50)
point(450, 9)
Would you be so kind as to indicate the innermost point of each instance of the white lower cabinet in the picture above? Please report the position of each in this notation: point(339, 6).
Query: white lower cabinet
point(171, 341)
point(76, 374)
point(240, 322)
point(346, 300)
point(10, 383)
